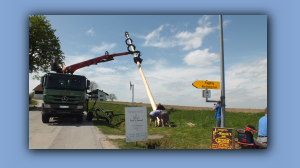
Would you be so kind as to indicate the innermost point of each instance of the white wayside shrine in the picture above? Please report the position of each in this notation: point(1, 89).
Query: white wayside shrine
point(136, 124)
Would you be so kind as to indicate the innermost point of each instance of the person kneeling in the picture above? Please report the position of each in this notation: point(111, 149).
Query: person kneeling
point(165, 118)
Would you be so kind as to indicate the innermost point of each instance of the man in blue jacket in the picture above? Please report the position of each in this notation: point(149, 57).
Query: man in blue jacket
point(262, 128)
point(217, 107)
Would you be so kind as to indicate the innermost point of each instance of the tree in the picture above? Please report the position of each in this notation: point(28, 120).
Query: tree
point(93, 86)
point(43, 45)
point(112, 97)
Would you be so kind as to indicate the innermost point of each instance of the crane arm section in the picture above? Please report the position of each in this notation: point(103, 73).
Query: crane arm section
point(72, 68)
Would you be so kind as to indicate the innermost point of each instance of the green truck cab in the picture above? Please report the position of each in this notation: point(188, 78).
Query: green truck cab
point(64, 95)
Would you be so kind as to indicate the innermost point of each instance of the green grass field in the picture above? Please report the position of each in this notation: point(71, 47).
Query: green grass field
point(176, 137)
point(31, 105)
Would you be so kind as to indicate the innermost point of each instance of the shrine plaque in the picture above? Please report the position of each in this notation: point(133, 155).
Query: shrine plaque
point(222, 138)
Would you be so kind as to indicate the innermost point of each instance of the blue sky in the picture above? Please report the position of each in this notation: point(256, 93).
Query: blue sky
point(176, 50)
point(282, 69)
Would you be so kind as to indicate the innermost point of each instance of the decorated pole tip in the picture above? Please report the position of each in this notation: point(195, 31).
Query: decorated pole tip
point(126, 34)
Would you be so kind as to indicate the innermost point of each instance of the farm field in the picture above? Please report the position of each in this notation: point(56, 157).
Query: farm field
point(243, 110)
point(180, 135)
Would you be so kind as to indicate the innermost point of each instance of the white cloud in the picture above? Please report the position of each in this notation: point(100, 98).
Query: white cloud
point(247, 83)
point(149, 62)
point(204, 20)
point(154, 39)
point(189, 40)
point(104, 70)
point(253, 70)
point(226, 22)
point(192, 40)
point(90, 32)
point(201, 58)
point(170, 85)
point(154, 34)
point(173, 85)
point(123, 68)
point(74, 59)
point(102, 48)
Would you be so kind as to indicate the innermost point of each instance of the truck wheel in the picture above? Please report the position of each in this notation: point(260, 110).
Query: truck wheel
point(45, 118)
point(79, 118)
point(89, 116)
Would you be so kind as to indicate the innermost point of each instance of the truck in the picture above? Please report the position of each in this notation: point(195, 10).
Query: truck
point(65, 94)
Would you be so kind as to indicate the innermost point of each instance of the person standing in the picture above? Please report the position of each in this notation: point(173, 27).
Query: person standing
point(262, 128)
point(217, 107)
point(160, 107)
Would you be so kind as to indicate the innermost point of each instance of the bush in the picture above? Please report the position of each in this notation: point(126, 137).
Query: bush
point(31, 96)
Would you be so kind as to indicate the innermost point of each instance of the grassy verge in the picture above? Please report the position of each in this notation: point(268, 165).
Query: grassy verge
point(176, 137)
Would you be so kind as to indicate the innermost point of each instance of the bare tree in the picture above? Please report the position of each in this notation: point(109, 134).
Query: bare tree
point(112, 97)
point(93, 86)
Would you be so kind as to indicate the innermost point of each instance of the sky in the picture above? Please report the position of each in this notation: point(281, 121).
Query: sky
point(177, 50)
point(283, 68)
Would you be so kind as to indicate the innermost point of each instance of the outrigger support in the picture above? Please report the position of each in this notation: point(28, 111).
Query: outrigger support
point(100, 113)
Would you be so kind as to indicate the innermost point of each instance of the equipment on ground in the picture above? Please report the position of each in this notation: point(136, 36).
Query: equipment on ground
point(100, 113)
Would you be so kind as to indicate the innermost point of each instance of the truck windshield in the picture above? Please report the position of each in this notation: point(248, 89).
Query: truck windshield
point(65, 82)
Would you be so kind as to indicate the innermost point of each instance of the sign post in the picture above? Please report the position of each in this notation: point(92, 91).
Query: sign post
point(216, 85)
point(136, 124)
point(222, 76)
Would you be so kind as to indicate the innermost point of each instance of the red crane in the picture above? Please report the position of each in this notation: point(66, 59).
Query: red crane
point(72, 68)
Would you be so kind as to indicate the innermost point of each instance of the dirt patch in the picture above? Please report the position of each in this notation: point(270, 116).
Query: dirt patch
point(236, 110)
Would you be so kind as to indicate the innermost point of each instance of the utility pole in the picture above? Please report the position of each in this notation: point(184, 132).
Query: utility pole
point(222, 98)
point(132, 86)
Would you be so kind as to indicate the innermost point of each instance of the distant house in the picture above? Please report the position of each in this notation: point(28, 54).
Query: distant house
point(98, 94)
point(38, 92)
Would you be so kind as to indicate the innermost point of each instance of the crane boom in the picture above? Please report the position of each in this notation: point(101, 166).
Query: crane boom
point(72, 68)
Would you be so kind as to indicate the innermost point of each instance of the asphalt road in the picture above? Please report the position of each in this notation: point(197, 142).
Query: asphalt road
point(64, 133)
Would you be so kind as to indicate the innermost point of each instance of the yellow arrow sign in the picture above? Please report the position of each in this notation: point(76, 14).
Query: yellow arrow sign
point(207, 84)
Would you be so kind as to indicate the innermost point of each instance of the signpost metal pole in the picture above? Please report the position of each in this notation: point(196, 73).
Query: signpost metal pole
point(222, 77)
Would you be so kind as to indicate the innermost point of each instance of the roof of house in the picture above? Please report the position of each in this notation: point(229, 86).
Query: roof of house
point(38, 88)
point(96, 91)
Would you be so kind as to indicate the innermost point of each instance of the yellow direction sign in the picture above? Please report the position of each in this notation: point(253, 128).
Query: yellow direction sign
point(206, 84)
